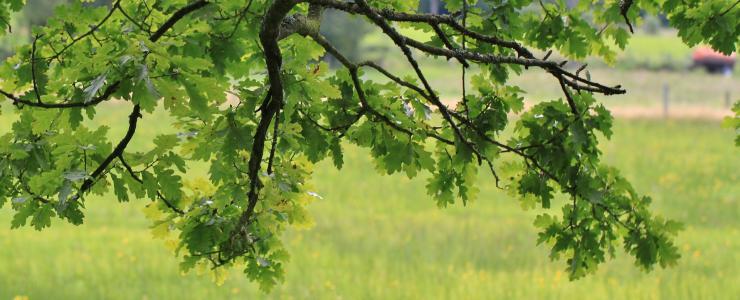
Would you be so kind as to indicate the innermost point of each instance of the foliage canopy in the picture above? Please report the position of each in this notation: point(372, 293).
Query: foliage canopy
point(289, 110)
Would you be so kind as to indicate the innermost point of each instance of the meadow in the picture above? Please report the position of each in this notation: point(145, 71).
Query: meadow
point(381, 237)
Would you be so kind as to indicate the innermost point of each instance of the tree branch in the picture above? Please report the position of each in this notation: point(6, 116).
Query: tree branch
point(401, 43)
point(179, 14)
point(525, 57)
point(361, 93)
point(87, 33)
point(133, 175)
point(269, 34)
point(446, 41)
point(133, 120)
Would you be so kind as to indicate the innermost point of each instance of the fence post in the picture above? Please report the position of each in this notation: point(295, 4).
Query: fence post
point(728, 102)
point(665, 99)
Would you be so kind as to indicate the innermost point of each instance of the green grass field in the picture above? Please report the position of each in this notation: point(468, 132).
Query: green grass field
point(654, 50)
point(380, 237)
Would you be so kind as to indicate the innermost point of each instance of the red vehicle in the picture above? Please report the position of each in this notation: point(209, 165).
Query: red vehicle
point(713, 61)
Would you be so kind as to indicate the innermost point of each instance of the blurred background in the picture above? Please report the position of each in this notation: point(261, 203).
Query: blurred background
point(380, 236)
